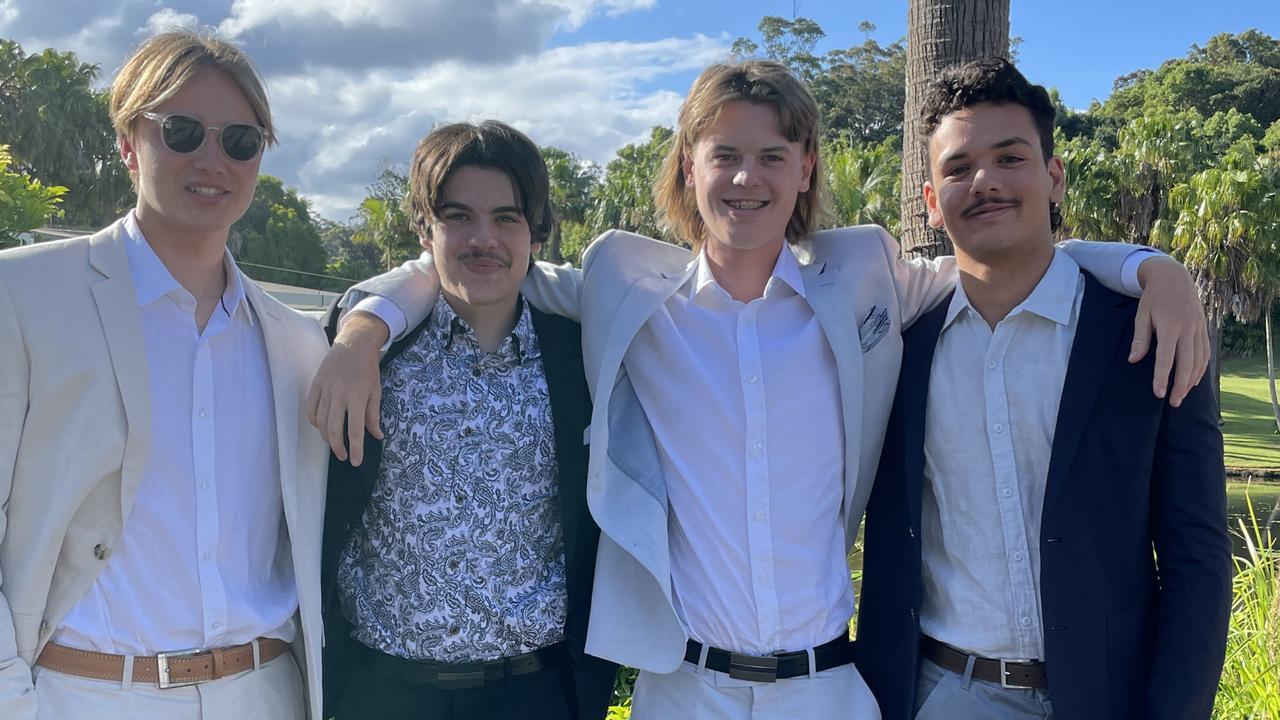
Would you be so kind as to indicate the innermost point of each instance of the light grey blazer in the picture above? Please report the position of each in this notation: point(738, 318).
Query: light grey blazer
point(75, 419)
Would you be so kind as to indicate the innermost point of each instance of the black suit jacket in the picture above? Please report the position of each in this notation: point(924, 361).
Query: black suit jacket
point(1127, 635)
point(350, 488)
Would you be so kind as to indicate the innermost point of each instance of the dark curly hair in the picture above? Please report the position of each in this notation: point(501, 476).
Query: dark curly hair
point(989, 80)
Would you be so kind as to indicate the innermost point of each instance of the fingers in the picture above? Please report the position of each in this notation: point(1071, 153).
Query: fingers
point(1165, 354)
point(333, 414)
point(1141, 334)
point(311, 404)
point(373, 412)
point(355, 434)
point(1184, 372)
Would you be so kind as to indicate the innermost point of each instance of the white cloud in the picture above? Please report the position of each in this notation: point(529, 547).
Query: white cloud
point(167, 19)
point(581, 10)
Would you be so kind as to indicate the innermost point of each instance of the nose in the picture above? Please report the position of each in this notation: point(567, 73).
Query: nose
point(209, 155)
point(984, 182)
point(748, 174)
point(485, 233)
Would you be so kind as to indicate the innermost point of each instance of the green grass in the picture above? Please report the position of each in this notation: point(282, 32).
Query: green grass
point(1249, 429)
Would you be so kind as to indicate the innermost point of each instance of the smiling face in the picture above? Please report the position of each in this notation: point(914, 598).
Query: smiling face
point(480, 241)
point(747, 176)
point(197, 194)
point(989, 183)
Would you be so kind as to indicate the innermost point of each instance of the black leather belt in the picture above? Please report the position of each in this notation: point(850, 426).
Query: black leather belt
point(769, 668)
point(1017, 675)
point(449, 676)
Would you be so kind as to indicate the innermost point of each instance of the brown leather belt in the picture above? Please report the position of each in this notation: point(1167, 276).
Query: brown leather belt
point(1017, 675)
point(172, 669)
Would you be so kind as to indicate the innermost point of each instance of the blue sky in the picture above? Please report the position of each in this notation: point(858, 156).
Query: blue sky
point(1081, 47)
point(355, 83)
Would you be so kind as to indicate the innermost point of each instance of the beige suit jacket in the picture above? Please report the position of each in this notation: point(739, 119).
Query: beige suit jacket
point(75, 419)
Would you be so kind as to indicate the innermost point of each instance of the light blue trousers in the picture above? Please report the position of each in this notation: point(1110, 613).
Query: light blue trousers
point(944, 695)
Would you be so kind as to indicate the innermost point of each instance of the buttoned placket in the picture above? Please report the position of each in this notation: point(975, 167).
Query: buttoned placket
point(204, 462)
point(756, 449)
point(1008, 489)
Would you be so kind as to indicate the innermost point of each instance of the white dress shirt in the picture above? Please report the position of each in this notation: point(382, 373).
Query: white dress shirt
point(744, 404)
point(203, 561)
point(992, 411)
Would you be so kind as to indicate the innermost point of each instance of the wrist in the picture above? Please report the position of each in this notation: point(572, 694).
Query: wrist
point(363, 331)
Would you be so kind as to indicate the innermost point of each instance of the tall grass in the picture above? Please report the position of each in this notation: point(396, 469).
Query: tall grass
point(1250, 686)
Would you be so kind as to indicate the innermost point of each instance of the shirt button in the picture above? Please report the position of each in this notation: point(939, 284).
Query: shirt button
point(764, 577)
point(752, 379)
point(101, 551)
point(475, 372)
point(998, 428)
point(1007, 492)
point(757, 447)
point(1017, 555)
point(455, 630)
point(203, 412)
point(460, 498)
point(453, 564)
point(991, 364)
point(466, 431)
point(206, 557)
point(760, 515)
point(204, 485)
point(217, 625)
point(1026, 621)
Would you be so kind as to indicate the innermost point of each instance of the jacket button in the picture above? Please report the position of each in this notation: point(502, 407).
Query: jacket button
point(911, 532)
point(44, 627)
point(100, 551)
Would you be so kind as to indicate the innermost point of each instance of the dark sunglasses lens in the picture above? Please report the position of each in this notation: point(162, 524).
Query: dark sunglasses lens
point(241, 142)
point(183, 134)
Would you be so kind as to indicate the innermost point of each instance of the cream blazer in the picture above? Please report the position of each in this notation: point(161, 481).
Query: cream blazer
point(74, 437)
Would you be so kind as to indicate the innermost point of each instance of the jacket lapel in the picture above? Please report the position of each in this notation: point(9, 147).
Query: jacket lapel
point(275, 335)
point(117, 301)
point(832, 306)
point(912, 400)
point(1098, 332)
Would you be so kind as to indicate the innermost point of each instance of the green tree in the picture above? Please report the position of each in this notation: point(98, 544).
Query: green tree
point(25, 203)
point(382, 220)
point(60, 132)
point(1224, 226)
point(624, 199)
point(573, 185)
point(278, 234)
point(865, 183)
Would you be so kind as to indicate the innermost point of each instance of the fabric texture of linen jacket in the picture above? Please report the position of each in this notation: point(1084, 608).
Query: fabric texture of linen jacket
point(351, 487)
point(862, 295)
point(75, 413)
point(1126, 635)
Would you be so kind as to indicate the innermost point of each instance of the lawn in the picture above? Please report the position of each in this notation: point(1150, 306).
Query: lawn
point(1249, 431)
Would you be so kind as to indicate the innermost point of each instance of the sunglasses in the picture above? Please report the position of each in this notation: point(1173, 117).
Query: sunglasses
point(184, 134)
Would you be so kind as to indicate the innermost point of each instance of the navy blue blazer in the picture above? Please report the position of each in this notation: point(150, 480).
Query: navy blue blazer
point(1128, 634)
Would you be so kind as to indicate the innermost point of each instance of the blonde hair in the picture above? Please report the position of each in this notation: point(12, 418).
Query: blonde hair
point(755, 81)
point(158, 69)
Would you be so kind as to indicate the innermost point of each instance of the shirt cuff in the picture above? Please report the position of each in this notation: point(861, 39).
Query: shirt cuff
point(1128, 273)
point(390, 313)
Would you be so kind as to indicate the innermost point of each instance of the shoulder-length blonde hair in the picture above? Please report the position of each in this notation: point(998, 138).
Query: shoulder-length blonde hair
point(755, 81)
point(158, 69)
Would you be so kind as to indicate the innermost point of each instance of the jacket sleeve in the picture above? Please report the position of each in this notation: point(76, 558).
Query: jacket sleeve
point(1193, 560)
point(17, 694)
point(414, 286)
point(1105, 261)
point(920, 283)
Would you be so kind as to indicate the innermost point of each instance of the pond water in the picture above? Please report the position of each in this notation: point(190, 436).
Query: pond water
point(1265, 497)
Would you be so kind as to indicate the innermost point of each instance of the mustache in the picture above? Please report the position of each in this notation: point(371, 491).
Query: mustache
point(485, 255)
point(984, 202)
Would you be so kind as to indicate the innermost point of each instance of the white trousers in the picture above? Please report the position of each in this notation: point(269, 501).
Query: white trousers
point(273, 692)
point(693, 694)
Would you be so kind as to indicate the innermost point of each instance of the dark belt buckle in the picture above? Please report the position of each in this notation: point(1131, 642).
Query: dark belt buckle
point(1004, 678)
point(461, 679)
point(753, 668)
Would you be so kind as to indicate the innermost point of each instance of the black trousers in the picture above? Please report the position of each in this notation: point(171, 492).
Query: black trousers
point(370, 694)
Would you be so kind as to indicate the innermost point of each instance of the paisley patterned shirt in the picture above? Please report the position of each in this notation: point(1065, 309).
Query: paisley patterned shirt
point(459, 556)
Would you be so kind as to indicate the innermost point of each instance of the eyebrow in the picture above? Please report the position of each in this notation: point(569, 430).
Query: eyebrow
point(1002, 144)
point(730, 148)
point(451, 205)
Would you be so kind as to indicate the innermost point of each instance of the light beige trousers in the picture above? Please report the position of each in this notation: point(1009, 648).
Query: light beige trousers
point(273, 692)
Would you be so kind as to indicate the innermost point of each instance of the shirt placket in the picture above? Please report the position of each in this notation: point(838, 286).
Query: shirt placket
point(1009, 491)
point(203, 457)
point(759, 528)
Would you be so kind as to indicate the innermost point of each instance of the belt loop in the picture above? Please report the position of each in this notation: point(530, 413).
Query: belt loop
point(257, 654)
point(218, 662)
point(126, 676)
point(968, 672)
point(813, 663)
point(702, 658)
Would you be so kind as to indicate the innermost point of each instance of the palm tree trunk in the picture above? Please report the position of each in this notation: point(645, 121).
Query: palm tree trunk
point(1216, 320)
point(1271, 363)
point(939, 33)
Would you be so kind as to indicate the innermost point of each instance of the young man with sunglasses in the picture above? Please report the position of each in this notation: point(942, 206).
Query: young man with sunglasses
point(162, 495)
point(740, 396)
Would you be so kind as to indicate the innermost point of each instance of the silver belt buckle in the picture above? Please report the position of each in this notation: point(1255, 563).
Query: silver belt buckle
point(162, 669)
point(755, 669)
point(1004, 678)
